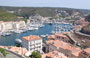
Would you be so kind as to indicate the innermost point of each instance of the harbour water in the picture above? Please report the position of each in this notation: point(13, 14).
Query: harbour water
point(10, 40)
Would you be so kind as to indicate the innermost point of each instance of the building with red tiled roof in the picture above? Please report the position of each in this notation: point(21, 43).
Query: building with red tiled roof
point(31, 38)
point(59, 37)
point(54, 54)
point(62, 37)
point(32, 43)
point(85, 53)
point(87, 50)
point(51, 37)
point(18, 50)
point(63, 47)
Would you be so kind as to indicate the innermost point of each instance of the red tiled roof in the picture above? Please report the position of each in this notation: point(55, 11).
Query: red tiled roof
point(31, 37)
point(61, 35)
point(87, 50)
point(51, 36)
point(60, 44)
point(54, 54)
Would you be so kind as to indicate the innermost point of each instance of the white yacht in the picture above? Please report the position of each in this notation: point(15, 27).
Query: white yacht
point(53, 32)
point(43, 35)
point(18, 31)
point(5, 34)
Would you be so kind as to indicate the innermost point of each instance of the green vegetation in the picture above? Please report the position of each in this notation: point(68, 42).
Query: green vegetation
point(29, 11)
point(47, 57)
point(35, 55)
point(24, 19)
point(5, 16)
point(18, 45)
point(43, 11)
point(3, 51)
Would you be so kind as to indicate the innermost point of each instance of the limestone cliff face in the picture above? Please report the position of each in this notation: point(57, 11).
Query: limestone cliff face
point(86, 29)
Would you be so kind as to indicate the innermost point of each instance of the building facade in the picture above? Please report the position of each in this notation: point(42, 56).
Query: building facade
point(32, 43)
point(63, 47)
point(85, 53)
point(10, 25)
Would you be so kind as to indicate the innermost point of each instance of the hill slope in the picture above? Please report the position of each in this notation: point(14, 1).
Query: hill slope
point(43, 11)
point(5, 16)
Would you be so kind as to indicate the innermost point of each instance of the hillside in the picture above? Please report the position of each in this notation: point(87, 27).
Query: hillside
point(43, 11)
point(5, 16)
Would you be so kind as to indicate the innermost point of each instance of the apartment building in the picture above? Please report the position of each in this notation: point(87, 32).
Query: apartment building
point(63, 47)
point(59, 37)
point(1, 25)
point(19, 25)
point(7, 26)
point(32, 43)
point(54, 54)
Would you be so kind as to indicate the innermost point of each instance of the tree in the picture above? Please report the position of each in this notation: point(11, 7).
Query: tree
point(35, 55)
point(47, 57)
point(3, 51)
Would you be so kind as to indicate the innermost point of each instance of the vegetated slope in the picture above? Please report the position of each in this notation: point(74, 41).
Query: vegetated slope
point(43, 11)
point(6, 16)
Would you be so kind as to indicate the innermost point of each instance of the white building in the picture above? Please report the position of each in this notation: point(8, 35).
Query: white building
point(5, 26)
point(10, 25)
point(0, 27)
point(19, 25)
point(32, 43)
